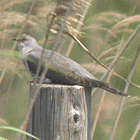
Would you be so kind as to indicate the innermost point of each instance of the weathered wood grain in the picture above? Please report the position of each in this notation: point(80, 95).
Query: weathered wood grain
point(61, 113)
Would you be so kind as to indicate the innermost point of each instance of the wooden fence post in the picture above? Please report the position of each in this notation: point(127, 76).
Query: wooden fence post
point(61, 113)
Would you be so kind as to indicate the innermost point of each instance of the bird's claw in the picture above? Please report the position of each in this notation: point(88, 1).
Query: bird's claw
point(30, 81)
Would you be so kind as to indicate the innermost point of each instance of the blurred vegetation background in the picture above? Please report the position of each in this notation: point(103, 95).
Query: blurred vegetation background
point(107, 27)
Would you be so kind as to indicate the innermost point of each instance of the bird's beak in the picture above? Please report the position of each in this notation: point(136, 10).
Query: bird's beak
point(15, 39)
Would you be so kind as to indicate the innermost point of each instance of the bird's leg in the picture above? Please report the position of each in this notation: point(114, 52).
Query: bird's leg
point(32, 81)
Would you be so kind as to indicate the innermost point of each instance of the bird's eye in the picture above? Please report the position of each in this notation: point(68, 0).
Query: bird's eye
point(23, 40)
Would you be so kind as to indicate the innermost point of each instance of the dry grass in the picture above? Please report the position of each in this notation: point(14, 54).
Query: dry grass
point(107, 33)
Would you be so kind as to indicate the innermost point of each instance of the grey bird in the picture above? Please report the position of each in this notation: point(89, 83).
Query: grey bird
point(60, 69)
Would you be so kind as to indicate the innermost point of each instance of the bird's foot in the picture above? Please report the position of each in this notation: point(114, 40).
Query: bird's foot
point(30, 82)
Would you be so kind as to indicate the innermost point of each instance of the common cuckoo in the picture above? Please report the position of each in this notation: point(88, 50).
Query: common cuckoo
point(60, 69)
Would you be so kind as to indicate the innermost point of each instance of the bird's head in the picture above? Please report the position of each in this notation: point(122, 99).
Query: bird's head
point(25, 41)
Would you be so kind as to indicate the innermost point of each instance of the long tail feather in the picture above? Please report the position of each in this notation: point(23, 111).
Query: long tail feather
point(107, 87)
point(115, 91)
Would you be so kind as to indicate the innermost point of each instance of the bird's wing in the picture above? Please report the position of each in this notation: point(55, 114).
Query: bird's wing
point(51, 61)
point(60, 68)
